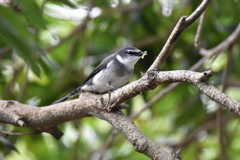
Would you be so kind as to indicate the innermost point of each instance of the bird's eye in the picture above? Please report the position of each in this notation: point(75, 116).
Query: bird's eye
point(133, 52)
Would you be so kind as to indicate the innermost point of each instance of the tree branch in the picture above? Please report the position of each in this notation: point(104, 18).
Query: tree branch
point(45, 119)
point(199, 30)
point(182, 24)
point(205, 127)
point(224, 44)
point(229, 41)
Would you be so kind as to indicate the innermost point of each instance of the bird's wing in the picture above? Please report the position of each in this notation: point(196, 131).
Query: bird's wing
point(100, 67)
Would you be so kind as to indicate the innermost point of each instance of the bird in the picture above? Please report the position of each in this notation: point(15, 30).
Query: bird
point(113, 72)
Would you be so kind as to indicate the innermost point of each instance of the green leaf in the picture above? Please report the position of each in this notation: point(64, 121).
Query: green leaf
point(14, 31)
point(32, 12)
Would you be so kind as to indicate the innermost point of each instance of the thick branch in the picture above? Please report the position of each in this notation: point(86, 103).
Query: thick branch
point(41, 118)
point(45, 119)
point(141, 144)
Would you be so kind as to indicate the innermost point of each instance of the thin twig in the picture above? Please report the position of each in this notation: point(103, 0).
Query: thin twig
point(224, 44)
point(182, 24)
point(20, 134)
point(206, 127)
point(199, 30)
point(221, 127)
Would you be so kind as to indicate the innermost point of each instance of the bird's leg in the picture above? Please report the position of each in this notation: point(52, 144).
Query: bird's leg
point(108, 104)
point(108, 107)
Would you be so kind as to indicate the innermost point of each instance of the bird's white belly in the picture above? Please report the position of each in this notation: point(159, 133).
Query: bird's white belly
point(102, 80)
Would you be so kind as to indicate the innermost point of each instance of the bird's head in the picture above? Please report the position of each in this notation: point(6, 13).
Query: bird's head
point(129, 55)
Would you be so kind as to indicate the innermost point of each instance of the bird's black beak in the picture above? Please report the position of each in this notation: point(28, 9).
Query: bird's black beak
point(140, 54)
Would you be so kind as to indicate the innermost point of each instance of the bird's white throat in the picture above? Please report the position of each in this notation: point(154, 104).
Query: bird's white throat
point(128, 61)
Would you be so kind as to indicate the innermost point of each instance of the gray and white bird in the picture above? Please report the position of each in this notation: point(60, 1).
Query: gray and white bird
point(113, 72)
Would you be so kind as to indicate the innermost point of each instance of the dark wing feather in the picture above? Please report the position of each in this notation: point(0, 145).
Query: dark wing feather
point(101, 66)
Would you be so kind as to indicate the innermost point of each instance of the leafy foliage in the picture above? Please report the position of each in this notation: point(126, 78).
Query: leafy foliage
point(47, 48)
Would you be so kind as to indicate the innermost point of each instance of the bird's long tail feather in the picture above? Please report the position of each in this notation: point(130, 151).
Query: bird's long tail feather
point(68, 96)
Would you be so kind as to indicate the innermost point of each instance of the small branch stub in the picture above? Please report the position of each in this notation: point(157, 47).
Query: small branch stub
point(205, 76)
point(21, 123)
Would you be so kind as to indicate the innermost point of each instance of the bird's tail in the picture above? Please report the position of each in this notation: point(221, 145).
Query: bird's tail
point(68, 96)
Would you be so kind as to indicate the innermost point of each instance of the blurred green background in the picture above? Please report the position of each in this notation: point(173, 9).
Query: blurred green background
point(47, 48)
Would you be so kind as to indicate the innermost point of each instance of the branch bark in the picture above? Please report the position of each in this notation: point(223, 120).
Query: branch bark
point(45, 119)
